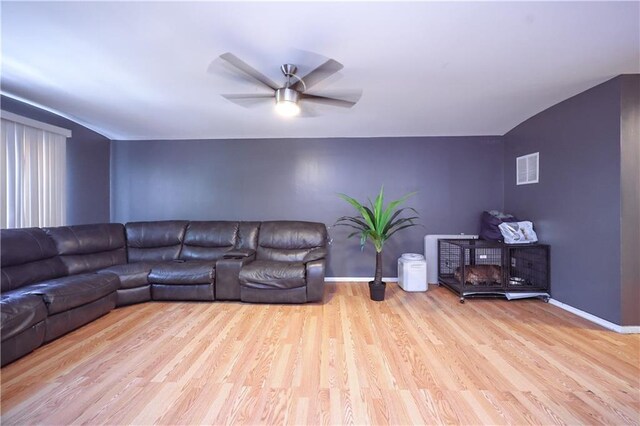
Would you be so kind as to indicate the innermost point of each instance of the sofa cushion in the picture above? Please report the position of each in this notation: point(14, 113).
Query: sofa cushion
point(192, 272)
point(208, 240)
point(70, 292)
point(269, 274)
point(155, 241)
point(25, 245)
point(21, 275)
point(19, 311)
point(87, 248)
point(131, 274)
point(28, 256)
point(289, 241)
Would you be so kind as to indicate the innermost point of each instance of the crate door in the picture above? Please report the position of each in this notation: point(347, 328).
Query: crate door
point(449, 261)
point(528, 268)
point(483, 268)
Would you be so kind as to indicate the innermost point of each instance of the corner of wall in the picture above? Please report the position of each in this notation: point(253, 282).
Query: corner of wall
point(630, 199)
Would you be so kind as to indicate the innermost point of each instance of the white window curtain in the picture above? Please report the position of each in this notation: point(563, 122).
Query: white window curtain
point(33, 169)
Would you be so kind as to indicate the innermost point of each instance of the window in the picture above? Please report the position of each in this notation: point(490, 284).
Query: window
point(33, 172)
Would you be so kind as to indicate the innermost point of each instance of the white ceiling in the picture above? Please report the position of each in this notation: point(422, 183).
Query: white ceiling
point(142, 70)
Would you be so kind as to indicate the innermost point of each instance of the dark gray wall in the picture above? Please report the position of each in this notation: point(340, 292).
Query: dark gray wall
point(455, 177)
point(88, 156)
point(630, 189)
point(576, 205)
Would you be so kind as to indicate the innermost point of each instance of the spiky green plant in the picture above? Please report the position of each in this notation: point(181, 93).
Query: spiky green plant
point(377, 223)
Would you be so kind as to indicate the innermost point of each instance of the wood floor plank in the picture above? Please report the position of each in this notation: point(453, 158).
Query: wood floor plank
point(416, 358)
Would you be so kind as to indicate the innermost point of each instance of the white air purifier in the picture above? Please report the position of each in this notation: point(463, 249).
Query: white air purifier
point(412, 272)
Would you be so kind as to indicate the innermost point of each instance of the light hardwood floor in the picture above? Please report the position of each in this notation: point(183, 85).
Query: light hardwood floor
point(417, 358)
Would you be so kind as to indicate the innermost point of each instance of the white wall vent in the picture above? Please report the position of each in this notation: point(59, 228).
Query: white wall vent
point(527, 168)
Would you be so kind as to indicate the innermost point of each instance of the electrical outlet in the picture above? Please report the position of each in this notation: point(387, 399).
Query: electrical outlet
point(513, 262)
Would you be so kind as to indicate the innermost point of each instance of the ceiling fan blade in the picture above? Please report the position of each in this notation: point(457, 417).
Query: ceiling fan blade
point(222, 68)
point(248, 96)
point(307, 111)
point(248, 69)
point(249, 100)
point(318, 74)
point(330, 101)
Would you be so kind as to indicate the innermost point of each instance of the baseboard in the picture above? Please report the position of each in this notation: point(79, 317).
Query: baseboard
point(358, 279)
point(623, 329)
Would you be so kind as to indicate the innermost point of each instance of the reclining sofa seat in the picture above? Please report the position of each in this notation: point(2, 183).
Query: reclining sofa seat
point(289, 265)
point(28, 256)
point(197, 260)
point(48, 287)
point(82, 295)
point(158, 244)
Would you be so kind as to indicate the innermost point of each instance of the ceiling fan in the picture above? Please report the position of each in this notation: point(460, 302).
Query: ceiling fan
point(289, 96)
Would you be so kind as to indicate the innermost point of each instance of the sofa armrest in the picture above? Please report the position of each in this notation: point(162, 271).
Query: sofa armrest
point(227, 283)
point(315, 254)
point(239, 253)
point(315, 280)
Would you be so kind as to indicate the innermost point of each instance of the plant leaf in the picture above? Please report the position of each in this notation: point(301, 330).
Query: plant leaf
point(390, 222)
point(363, 240)
point(360, 229)
point(392, 206)
point(352, 201)
point(353, 234)
point(377, 209)
point(369, 217)
point(351, 219)
point(403, 224)
point(402, 227)
point(401, 221)
point(363, 210)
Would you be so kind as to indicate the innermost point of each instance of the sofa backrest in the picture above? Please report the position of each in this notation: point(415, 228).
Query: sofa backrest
point(155, 241)
point(87, 248)
point(28, 256)
point(208, 240)
point(290, 240)
point(248, 235)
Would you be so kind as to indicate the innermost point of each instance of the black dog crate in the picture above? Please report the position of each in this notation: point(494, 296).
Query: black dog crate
point(486, 268)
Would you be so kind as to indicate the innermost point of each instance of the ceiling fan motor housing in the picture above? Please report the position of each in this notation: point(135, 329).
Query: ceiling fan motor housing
point(285, 94)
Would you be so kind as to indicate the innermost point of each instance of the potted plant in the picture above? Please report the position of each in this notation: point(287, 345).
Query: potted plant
point(377, 222)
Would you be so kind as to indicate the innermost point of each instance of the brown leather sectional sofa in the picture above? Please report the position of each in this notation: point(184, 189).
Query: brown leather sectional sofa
point(55, 280)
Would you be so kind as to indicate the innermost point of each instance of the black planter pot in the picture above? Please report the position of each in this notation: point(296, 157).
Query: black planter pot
point(376, 291)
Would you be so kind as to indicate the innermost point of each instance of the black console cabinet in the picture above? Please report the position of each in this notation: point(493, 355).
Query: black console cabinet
point(487, 268)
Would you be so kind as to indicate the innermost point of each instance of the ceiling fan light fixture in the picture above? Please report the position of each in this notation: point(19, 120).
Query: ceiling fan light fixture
point(287, 102)
point(287, 108)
